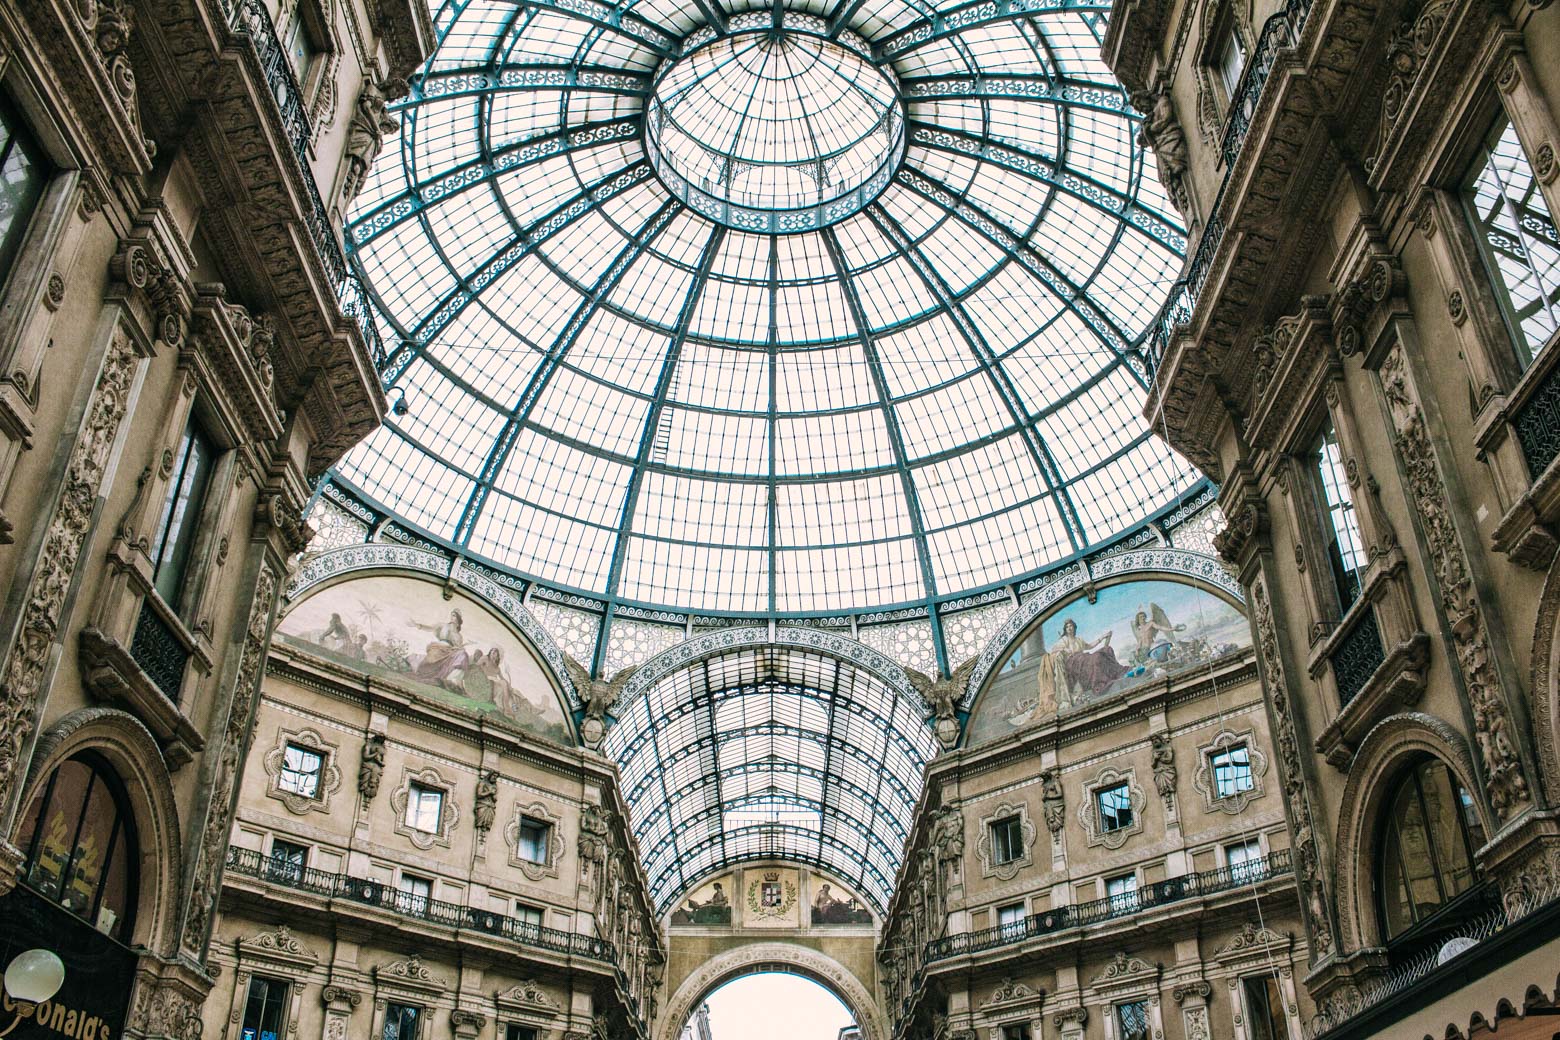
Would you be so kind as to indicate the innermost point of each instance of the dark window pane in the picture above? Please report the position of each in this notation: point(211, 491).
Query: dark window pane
point(401, 1021)
point(180, 521)
point(1345, 548)
point(1115, 806)
point(1264, 1009)
point(1426, 846)
point(23, 174)
point(1132, 1021)
point(264, 1010)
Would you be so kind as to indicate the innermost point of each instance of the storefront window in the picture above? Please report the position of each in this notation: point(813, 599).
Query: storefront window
point(79, 836)
point(1428, 837)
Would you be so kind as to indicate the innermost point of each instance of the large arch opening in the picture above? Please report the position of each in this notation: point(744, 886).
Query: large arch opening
point(789, 968)
point(775, 1003)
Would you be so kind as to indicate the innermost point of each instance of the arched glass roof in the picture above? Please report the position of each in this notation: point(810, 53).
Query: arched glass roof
point(819, 376)
point(771, 753)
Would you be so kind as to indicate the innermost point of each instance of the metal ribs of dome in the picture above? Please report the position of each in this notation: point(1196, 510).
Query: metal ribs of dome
point(612, 395)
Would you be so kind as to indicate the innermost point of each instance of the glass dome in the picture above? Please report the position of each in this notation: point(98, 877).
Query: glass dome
point(826, 307)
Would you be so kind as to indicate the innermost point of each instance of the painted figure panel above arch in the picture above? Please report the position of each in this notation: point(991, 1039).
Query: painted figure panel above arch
point(1081, 652)
point(437, 643)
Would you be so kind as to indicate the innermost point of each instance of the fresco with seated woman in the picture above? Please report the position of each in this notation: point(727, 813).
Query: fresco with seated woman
point(1083, 652)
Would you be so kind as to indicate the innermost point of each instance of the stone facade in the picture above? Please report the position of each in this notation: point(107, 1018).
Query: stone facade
point(1342, 280)
point(173, 271)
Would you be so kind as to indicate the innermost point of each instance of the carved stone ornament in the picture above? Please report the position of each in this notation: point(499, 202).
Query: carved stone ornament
point(54, 292)
point(1196, 1022)
point(1078, 1016)
point(366, 131)
point(1009, 992)
point(1089, 811)
point(595, 839)
point(1406, 54)
point(31, 653)
point(1244, 525)
point(409, 973)
point(948, 835)
point(1161, 132)
point(371, 767)
point(1123, 968)
point(328, 782)
point(538, 812)
point(166, 1011)
point(449, 813)
point(941, 695)
point(341, 996)
point(1203, 781)
point(280, 943)
point(1455, 307)
point(1251, 940)
point(1307, 863)
point(1164, 768)
point(466, 1022)
point(484, 808)
point(1544, 163)
point(1008, 870)
point(229, 754)
point(1198, 989)
point(1493, 734)
point(597, 697)
point(526, 996)
point(1053, 801)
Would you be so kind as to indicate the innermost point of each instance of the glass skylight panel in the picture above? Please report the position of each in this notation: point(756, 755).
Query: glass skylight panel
point(539, 196)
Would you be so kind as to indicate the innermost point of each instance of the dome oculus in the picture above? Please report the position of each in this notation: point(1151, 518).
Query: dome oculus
point(775, 127)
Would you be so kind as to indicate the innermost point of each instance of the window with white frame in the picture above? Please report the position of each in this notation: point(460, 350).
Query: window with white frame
point(301, 769)
point(1244, 859)
point(1122, 891)
point(535, 836)
point(1230, 61)
point(1010, 918)
point(414, 894)
point(1114, 805)
point(529, 917)
point(1007, 840)
point(1231, 770)
point(424, 807)
point(1341, 526)
point(1517, 239)
point(174, 542)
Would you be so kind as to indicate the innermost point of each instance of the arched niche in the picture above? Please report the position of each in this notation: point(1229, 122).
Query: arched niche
point(755, 957)
point(1391, 746)
point(1075, 644)
point(131, 752)
point(399, 614)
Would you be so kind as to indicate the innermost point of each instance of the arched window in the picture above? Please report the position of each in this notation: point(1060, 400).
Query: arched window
point(1429, 832)
point(79, 836)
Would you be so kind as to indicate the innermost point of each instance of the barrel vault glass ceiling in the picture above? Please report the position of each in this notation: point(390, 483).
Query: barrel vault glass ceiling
point(825, 308)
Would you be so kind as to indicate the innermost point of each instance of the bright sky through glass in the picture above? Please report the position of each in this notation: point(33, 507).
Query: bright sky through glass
point(609, 391)
point(775, 1006)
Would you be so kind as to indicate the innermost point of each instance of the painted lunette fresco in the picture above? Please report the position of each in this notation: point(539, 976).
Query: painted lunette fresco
point(454, 650)
point(1082, 652)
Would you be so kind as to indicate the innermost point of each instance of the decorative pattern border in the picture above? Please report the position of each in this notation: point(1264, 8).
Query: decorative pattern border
point(1203, 780)
point(334, 563)
point(1158, 560)
point(330, 774)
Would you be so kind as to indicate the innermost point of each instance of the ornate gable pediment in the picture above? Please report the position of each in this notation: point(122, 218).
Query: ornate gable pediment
point(1125, 972)
point(1011, 995)
point(278, 949)
point(1253, 941)
point(410, 974)
point(528, 999)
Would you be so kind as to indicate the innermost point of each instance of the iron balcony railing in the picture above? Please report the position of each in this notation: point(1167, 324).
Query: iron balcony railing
point(1160, 893)
point(159, 651)
point(252, 20)
point(1537, 424)
point(1282, 29)
point(277, 871)
point(1357, 655)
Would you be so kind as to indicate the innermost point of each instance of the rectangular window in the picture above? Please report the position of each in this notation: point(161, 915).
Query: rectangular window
point(1007, 840)
point(1244, 860)
point(1517, 238)
point(1017, 1031)
point(301, 768)
point(1264, 1008)
point(1345, 548)
point(515, 1031)
point(534, 836)
point(401, 1022)
point(424, 808)
point(180, 522)
point(24, 172)
point(1132, 1020)
point(264, 1009)
point(1010, 918)
point(528, 917)
point(302, 48)
point(1122, 893)
point(288, 860)
point(415, 894)
point(1231, 62)
point(1115, 808)
point(1231, 770)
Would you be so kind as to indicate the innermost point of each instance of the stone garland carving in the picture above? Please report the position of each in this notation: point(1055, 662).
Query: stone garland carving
point(1164, 768)
point(29, 656)
point(166, 1012)
point(282, 942)
point(1196, 1020)
point(1307, 861)
point(207, 872)
point(597, 697)
point(1406, 53)
point(329, 778)
point(941, 696)
point(410, 971)
point(371, 767)
point(1497, 744)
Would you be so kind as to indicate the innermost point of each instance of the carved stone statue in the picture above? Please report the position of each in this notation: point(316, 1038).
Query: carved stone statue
point(941, 697)
point(1055, 804)
point(595, 825)
point(366, 131)
point(1162, 133)
point(597, 696)
point(372, 768)
point(1164, 768)
point(948, 834)
point(485, 808)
